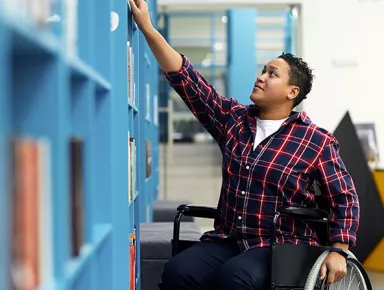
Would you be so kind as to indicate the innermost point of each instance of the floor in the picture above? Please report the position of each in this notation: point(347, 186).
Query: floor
point(192, 172)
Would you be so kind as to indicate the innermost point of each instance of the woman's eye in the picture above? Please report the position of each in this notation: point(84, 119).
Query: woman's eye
point(273, 74)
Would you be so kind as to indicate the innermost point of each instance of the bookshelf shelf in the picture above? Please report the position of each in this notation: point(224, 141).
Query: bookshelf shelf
point(133, 107)
point(64, 122)
point(132, 202)
point(76, 266)
point(80, 70)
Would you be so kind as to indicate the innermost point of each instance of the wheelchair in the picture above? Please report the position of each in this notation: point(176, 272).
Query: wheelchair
point(293, 267)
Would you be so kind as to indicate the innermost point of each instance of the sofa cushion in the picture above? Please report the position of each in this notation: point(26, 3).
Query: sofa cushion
point(155, 238)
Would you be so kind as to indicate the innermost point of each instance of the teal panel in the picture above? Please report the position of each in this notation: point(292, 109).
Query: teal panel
point(241, 54)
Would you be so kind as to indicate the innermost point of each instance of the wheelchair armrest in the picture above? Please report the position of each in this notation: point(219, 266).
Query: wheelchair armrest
point(318, 216)
point(189, 210)
point(307, 214)
point(197, 211)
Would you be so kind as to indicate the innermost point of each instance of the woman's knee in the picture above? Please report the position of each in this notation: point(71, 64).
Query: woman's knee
point(179, 273)
point(174, 274)
point(234, 276)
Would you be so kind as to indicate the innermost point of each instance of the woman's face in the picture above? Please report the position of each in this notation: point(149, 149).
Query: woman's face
point(272, 86)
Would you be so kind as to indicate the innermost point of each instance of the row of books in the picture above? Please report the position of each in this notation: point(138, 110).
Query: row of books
point(32, 237)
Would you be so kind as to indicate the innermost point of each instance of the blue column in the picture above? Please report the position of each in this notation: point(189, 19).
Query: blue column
point(288, 32)
point(119, 152)
point(241, 53)
point(5, 176)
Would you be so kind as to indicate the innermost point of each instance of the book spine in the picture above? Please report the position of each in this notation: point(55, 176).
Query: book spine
point(76, 211)
point(45, 213)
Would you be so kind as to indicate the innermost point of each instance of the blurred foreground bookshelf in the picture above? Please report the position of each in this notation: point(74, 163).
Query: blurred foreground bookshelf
point(78, 143)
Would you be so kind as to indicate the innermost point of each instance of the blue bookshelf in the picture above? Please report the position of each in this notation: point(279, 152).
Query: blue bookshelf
point(50, 92)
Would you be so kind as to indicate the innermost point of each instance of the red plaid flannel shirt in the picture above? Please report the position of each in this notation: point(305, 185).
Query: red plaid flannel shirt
point(279, 172)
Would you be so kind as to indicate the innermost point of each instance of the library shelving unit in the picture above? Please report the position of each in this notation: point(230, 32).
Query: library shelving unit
point(78, 143)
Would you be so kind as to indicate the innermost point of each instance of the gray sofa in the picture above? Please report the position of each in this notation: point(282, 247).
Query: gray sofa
point(155, 249)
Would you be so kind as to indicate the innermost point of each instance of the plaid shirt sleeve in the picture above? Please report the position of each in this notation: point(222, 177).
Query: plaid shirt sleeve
point(210, 108)
point(341, 195)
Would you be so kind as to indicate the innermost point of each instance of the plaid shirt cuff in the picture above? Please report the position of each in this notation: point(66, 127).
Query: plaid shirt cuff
point(343, 236)
point(180, 75)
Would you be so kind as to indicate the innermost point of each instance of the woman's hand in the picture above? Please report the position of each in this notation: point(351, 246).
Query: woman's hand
point(169, 59)
point(141, 14)
point(336, 266)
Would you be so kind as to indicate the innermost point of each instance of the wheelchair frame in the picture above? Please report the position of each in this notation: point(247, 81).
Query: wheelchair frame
point(283, 275)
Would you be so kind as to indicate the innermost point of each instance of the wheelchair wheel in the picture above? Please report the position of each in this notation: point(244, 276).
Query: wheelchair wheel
point(355, 279)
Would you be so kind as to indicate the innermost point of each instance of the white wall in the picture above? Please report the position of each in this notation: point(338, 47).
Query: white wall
point(343, 42)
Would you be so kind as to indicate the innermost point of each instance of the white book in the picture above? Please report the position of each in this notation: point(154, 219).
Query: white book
point(70, 26)
point(129, 170)
point(45, 211)
point(129, 71)
point(148, 96)
point(133, 77)
point(39, 11)
point(155, 110)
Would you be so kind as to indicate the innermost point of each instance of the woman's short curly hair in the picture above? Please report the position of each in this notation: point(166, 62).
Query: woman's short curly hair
point(300, 74)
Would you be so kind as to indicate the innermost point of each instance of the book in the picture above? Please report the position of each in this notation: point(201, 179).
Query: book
point(129, 70)
point(70, 26)
point(25, 220)
point(40, 10)
point(133, 84)
point(148, 100)
point(76, 194)
point(129, 169)
point(45, 211)
point(132, 260)
point(32, 238)
point(155, 111)
point(130, 74)
point(132, 168)
point(148, 158)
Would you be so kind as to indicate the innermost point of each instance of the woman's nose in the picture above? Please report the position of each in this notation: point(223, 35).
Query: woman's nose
point(260, 79)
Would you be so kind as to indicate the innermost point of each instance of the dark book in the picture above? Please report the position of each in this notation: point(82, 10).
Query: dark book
point(148, 159)
point(77, 189)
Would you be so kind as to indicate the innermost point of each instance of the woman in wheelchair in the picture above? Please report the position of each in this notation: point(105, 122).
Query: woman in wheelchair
point(272, 157)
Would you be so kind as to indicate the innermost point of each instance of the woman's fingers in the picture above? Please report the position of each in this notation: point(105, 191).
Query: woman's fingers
point(133, 5)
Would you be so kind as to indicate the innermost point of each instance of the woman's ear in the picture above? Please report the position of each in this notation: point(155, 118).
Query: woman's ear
point(294, 92)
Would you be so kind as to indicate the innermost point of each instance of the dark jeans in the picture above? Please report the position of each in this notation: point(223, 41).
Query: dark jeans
point(218, 265)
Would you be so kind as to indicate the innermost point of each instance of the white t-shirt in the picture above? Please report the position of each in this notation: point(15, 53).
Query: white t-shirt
point(266, 128)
